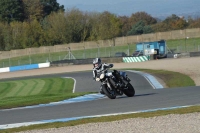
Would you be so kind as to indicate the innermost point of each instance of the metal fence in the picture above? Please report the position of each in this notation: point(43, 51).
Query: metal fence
point(189, 42)
point(86, 53)
point(184, 49)
point(68, 54)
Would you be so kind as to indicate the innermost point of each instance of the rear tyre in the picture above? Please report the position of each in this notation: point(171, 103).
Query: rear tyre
point(108, 92)
point(129, 91)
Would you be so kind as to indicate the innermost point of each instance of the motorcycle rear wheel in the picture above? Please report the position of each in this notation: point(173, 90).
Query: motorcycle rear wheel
point(108, 92)
point(129, 91)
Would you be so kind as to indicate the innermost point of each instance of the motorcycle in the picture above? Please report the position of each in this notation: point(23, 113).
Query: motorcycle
point(116, 84)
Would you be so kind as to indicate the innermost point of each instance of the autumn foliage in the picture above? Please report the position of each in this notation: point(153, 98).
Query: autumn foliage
point(35, 23)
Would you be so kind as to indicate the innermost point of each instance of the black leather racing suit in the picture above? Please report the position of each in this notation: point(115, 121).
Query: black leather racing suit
point(98, 71)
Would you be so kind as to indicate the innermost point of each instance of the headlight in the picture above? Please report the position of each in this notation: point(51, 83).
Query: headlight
point(97, 79)
point(102, 76)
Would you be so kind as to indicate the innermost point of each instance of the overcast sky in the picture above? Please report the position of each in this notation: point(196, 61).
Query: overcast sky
point(126, 7)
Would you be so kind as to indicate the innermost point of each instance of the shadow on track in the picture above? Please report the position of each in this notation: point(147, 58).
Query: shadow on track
point(139, 95)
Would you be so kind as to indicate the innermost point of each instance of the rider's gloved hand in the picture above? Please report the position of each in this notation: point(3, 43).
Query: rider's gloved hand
point(111, 65)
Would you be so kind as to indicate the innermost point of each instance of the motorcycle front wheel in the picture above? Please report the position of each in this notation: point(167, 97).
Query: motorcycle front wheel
point(108, 92)
point(129, 91)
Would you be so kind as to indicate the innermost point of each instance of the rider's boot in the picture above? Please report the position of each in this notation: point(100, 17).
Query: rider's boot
point(101, 91)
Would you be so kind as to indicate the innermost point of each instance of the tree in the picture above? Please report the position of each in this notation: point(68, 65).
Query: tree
point(194, 23)
point(50, 6)
point(171, 18)
point(56, 30)
point(16, 33)
point(147, 29)
point(2, 44)
point(142, 16)
point(32, 34)
point(174, 22)
point(137, 28)
point(180, 24)
point(108, 26)
point(160, 27)
point(11, 10)
point(33, 10)
point(94, 20)
point(7, 37)
point(140, 28)
point(87, 26)
point(75, 20)
point(125, 25)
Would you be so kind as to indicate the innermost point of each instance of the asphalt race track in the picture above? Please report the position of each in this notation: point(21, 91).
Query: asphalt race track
point(146, 98)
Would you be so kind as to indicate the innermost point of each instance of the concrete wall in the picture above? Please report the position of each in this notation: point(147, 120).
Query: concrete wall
point(177, 34)
point(84, 61)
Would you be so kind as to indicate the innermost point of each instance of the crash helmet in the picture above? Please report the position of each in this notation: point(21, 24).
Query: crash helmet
point(97, 63)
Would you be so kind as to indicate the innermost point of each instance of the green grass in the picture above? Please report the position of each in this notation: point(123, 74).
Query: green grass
point(78, 54)
point(182, 45)
point(178, 45)
point(45, 90)
point(171, 79)
point(191, 109)
point(35, 91)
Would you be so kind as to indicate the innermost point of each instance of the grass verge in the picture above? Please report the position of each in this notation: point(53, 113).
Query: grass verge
point(176, 45)
point(172, 79)
point(105, 119)
point(35, 91)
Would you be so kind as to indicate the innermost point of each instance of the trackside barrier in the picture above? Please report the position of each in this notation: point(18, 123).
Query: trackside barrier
point(24, 67)
point(5, 69)
point(135, 59)
point(84, 61)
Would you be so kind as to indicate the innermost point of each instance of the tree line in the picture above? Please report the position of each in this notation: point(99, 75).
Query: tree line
point(35, 23)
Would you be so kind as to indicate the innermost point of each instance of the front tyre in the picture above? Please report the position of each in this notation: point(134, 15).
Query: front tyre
point(129, 90)
point(108, 92)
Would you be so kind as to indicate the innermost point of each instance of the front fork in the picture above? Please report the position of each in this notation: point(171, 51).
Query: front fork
point(114, 84)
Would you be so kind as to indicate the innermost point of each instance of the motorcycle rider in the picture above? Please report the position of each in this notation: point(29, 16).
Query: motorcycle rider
point(99, 67)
